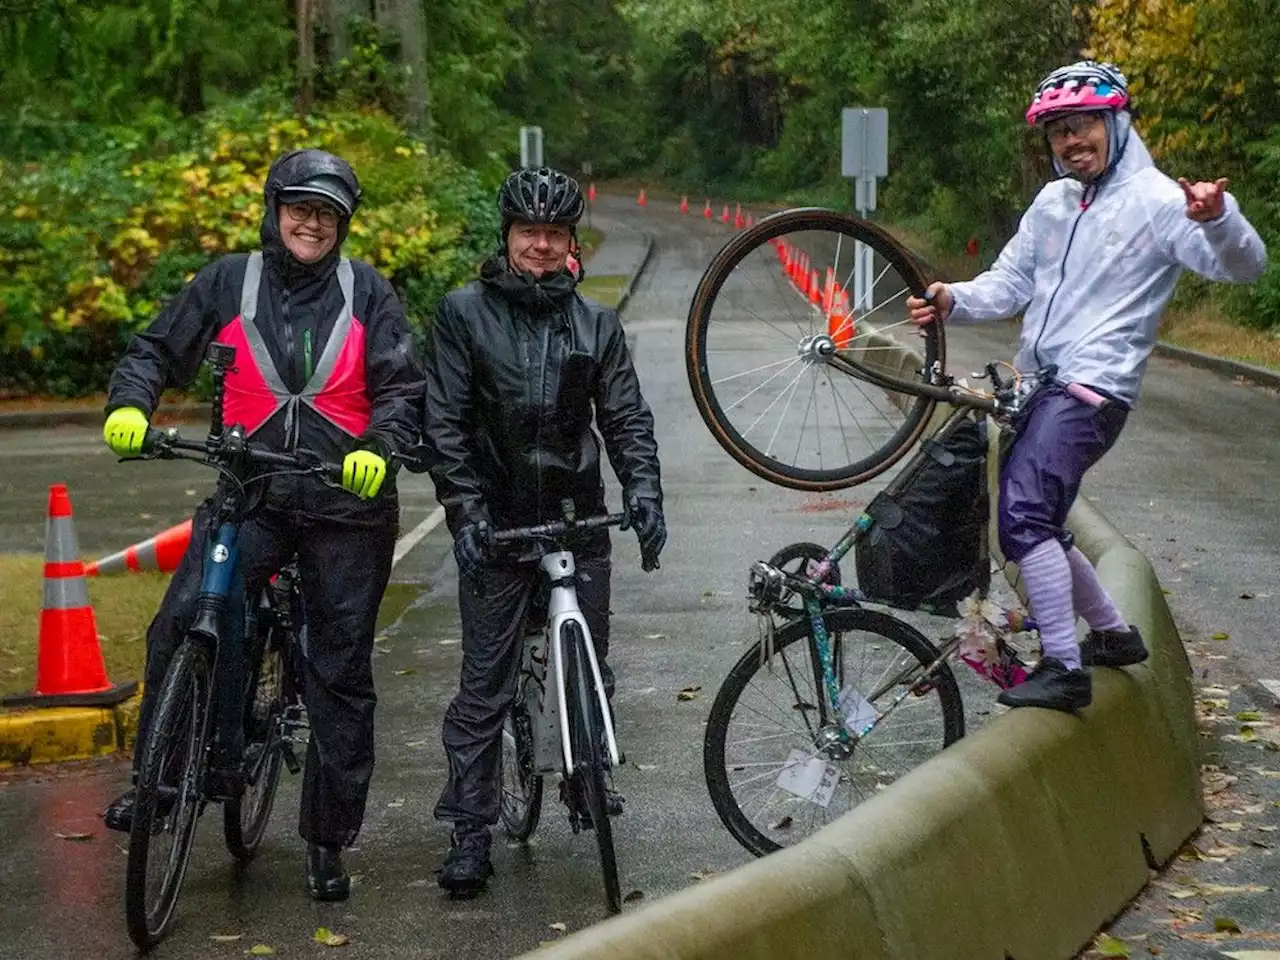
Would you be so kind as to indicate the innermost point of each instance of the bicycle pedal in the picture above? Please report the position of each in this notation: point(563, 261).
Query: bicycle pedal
point(290, 758)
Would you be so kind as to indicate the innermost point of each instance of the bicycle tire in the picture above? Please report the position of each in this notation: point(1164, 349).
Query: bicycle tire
point(888, 629)
point(713, 412)
point(589, 766)
point(520, 820)
point(182, 705)
point(798, 559)
point(245, 818)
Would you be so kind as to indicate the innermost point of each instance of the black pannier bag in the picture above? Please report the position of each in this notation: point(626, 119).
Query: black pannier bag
point(927, 546)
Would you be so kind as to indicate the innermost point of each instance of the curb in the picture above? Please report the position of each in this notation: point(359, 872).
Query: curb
point(959, 852)
point(1231, 368)
point(50, 734)
point(635, 274)
point(36, 419)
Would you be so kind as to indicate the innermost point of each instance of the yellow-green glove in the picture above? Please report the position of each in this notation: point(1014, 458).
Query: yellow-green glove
point(363, 472)
point(125, 430)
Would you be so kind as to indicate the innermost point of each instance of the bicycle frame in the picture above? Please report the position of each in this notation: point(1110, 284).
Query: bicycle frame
point(545, 653)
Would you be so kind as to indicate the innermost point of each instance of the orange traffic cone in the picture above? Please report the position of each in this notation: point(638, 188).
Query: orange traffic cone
point(70, 670)
point(684, 204)
point(591, 192)
point(815, 288)
point(737, 218)
point(640, 200)
point(162, 552)
point(724, 217)
point(706, 211)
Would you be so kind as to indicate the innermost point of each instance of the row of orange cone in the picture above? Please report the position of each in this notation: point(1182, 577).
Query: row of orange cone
point(827, 295)
point(70, 670)
point(738, 219)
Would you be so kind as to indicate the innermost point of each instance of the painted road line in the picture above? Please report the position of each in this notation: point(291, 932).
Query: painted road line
point(414, 536)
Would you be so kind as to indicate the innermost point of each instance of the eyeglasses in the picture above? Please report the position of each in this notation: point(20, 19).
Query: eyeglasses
point(303, 211)
point(1075, 124)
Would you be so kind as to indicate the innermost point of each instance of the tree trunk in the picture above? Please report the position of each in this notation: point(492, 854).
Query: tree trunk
point(191, 84)
point(306, 58)
point(412, 27)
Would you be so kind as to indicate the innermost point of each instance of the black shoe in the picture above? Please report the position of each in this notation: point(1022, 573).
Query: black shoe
point(119, 815)
point(466, 871)
point(326, 880)
point(1113, 648)
point(1053, 686)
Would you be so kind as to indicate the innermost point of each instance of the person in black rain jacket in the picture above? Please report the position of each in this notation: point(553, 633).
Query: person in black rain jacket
point(324, 362)
point(518, 363)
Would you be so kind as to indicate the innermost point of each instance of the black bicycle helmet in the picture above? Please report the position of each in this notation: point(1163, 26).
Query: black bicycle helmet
point(540, 195)
point(314, 174)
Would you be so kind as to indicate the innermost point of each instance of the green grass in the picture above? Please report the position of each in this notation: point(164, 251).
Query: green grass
point(606, 289)
point(123, 607)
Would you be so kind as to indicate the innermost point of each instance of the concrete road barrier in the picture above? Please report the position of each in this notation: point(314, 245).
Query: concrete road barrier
point(1017, 843)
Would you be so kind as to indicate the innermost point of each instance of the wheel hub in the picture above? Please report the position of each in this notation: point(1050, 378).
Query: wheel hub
point(817, 348)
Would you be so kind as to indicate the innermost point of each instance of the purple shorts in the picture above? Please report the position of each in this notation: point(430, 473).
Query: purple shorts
point(1057, 440)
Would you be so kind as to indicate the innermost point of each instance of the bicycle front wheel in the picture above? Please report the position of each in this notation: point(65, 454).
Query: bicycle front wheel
point(168, 796)
point(777, 304)
point(776, 765)
point(588, 757)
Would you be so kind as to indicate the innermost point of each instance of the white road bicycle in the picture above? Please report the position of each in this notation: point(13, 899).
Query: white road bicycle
point(560, 721)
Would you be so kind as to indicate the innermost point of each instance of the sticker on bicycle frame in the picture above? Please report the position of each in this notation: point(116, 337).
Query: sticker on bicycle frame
point(220, 553)
point(809, 778)
point(858, 712)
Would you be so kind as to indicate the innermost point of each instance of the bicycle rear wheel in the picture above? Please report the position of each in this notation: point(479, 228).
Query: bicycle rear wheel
point(775, 767)
point(521, 805)
point(245, 818)
point(587, 728)
point(168, 796)
point(767, 318)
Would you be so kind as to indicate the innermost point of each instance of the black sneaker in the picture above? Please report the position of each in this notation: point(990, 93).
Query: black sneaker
point(1053, 686)
point(466, 871)
point(119, 815)
point(1113, 648)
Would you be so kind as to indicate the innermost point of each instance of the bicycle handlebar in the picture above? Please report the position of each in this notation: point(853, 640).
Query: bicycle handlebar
point(228, 447)
point(557, 529)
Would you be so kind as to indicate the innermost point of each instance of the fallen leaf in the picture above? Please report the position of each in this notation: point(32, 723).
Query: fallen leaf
point(655, 636)
point(261, 950)
point(1219, 890)
point(646, 767)
point(190, 493)
point(1111, 947)
point(1268, 829)
point(1235, 826)
point(1183, 915)
point(558, 927)
point(398, 802)
point(1248, 715)
point(783, 824)
point(688, 693)
point(327, 938)
point(1247, 595)
point(1220, 635)
point(74, 836)
point(419, 743)
point(702, 874)
point(1225, 925)
point(1184, 893)
point(1253, 955)
point(633, 896)
point(226, 937)
point(406, 672)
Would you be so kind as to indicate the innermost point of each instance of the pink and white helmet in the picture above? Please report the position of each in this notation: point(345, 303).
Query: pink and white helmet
point(1087, 85)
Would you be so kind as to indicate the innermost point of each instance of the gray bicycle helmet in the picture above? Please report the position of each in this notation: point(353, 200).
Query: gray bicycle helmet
point(540, 195)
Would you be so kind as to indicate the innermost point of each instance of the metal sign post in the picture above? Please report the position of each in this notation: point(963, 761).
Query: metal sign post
point(864, 157)
point(530, 147)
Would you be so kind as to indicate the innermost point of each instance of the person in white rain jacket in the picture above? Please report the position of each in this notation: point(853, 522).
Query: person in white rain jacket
point(1095, 260)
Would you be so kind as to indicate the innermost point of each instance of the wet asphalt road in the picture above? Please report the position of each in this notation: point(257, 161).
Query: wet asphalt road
point(1190, 481)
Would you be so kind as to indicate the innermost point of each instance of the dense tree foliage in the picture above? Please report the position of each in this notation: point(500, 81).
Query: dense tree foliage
point(133, 133)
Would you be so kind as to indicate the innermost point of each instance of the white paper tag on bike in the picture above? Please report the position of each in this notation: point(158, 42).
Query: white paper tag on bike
point(809, 778)
point(858, 712)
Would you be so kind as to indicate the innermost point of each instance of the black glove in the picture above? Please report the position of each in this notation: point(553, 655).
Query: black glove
point(471, 548)
point(651, 530)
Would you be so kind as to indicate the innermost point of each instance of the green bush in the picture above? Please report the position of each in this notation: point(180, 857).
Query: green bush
point(93, 243)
